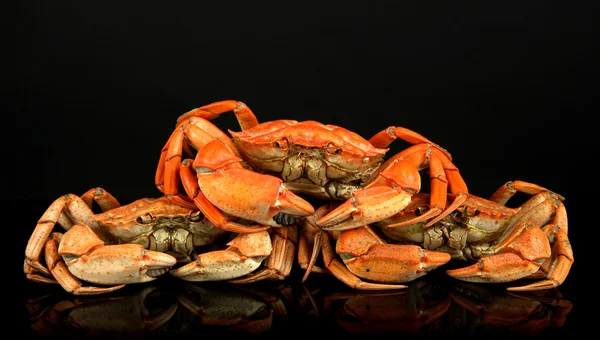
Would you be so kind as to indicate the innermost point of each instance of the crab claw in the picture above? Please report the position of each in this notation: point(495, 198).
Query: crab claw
point(367, 257)
point(89, 259)
point(244, 193)
point(495, 269)
point(255, 197)
point(244, 255)
point(514, 259)
point(365, 207)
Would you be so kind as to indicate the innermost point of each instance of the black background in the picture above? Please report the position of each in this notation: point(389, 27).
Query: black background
point(92, 90)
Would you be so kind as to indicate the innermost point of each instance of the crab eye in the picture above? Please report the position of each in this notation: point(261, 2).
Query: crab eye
point(282, 143)
point(144, 219)
point(196, 216)
point(470, 212)
point(333, 149)
point(421, 210)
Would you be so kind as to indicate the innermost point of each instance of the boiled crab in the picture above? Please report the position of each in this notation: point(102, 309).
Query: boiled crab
point(506, 244)
point(140, 241)
point(257, 174)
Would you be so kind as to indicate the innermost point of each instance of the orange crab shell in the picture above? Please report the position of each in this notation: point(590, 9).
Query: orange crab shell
point(271, 141)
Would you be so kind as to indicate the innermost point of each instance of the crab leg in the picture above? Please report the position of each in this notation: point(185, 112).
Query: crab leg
point(195, 130)
point(519, 259)
point(311, 234)
point(507, 191)
point(103, 198)
point(309, 246)
point(438, 156)
point(66, 211)
point(393, 188)
point(244, 115)
point(228, 187)
point(384, 138)
point(527, 248)
point(279, 263)
point(244, 255)
point(62, 274)
point(443, 175)
point(556, 269)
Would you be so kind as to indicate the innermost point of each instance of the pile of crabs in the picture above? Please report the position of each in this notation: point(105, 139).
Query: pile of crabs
point(252, 205)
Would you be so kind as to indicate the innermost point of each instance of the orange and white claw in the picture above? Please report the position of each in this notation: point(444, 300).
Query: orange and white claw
point(396, 263)
point(243, 256)
point(252, 196)
point(119, 264)
point(367, 256)
point(497, 268)
point(89, 259)
point(366, 206)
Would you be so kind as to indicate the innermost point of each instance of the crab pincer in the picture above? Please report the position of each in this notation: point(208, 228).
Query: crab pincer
point(81, 254)
point(239, 192)
point(244, 255)
point(387, 195)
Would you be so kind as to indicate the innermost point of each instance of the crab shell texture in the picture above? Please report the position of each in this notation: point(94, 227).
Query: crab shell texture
point(308, 146)
point(135, 222)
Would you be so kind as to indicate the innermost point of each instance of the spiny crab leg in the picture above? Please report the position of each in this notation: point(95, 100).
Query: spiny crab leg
point(244, 255)
point(533, 243)
point(258, 197)
point(393, 188)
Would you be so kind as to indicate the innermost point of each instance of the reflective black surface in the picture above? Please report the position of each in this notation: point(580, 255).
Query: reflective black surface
point(92, 92)
point(435, 305)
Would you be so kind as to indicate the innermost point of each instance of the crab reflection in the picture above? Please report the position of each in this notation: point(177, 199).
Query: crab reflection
point(172, 308)
point(439, 308)
point(182, 308)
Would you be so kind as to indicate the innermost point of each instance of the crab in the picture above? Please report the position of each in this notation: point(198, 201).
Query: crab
point(260, 173)
point(140, 241)
point(505, 244)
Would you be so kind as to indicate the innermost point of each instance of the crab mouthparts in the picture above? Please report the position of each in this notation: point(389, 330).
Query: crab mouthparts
point(156, 272)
